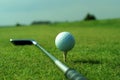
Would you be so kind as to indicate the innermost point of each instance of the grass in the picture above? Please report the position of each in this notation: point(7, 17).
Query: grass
point(96, 54)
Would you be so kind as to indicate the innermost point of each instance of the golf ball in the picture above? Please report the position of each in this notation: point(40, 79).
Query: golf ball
point(64, 41)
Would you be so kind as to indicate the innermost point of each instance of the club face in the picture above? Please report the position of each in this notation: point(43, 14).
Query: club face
point(21, 41)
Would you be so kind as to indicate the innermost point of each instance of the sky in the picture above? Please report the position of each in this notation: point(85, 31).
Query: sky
point(26, 11)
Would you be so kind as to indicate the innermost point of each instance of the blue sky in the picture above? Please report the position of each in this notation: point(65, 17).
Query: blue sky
point(26, 11)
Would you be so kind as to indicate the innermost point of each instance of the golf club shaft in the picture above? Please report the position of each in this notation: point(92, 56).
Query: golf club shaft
point(63, 67)
point(71, 74)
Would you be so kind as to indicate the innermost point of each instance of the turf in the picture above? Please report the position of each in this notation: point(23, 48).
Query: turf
point(96, 54)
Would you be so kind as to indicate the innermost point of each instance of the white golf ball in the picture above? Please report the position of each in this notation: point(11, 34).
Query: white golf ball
point(64, 41)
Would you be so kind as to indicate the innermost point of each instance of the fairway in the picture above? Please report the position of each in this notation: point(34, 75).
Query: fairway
point(96, 54)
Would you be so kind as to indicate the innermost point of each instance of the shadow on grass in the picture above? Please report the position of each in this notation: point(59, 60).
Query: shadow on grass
point(88, 61)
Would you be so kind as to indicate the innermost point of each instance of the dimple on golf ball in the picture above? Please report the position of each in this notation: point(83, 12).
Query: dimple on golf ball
point(64, 41)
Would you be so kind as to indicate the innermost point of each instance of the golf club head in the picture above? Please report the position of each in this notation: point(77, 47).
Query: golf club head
point(23, 42)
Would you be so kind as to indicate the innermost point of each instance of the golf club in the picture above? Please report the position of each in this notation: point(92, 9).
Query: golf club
point(70, 73)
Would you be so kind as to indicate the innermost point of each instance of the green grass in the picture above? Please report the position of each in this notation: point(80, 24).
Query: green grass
point(96, 54)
